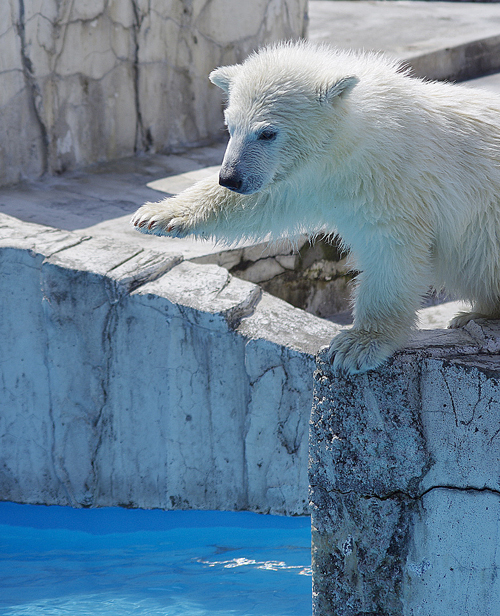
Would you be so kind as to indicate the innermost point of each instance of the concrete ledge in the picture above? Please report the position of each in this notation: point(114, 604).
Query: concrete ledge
point(441, 40)
point(405, 481)
point(131, 377)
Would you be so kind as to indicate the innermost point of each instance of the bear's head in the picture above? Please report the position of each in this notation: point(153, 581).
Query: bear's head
point(284, 106)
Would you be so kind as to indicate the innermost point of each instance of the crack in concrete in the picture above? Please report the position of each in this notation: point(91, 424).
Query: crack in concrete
point(77, 242)
point(408, 496)
point(263, 374)
point(452, 401)
point(36, 97)
point(226, 283)
point(143, 137)
point(59, 473)
point(244, 309)
point(461, 489)
point(126, 260)
point(463, 422)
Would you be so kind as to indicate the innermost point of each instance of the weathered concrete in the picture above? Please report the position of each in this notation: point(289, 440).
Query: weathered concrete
point(83, 82)
point(133, 377)
point(405, 488)
point(442, 40)
point(490, 82)
point(61, 426)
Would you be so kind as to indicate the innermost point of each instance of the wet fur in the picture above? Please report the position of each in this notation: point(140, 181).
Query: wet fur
point(406, 171)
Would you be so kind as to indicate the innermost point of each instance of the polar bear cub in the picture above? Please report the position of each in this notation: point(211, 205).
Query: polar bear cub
point(406, 171)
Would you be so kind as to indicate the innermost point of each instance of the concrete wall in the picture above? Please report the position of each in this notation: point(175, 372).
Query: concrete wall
point(405, 481)
point(133, 378)
point(82, 82)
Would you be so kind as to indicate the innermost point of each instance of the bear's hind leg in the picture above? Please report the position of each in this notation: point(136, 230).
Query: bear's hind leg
point(479, 314)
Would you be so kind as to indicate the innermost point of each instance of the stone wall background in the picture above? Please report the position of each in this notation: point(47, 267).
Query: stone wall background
point(94, 80)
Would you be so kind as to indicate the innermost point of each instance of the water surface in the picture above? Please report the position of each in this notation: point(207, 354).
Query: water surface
point(57, 561)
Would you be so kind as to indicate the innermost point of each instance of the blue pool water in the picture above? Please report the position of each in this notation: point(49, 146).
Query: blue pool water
point(57, 561)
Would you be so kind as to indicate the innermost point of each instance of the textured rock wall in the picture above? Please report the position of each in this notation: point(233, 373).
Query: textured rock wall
point(312, 276)
point(128, 377)
point(82, 82)
point(405, 482)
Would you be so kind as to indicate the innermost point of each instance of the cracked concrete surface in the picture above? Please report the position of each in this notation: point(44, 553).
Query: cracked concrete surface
point(100, 80)
point(215, 410)
point(405, 481)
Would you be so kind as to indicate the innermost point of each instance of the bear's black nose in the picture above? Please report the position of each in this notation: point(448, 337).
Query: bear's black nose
point(229, 180)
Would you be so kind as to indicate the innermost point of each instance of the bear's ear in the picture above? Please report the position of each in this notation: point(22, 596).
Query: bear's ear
point(339, 88)
point(223, 76)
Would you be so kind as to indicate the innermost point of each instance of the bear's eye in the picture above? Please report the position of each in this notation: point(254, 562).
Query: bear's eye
point(268, 134)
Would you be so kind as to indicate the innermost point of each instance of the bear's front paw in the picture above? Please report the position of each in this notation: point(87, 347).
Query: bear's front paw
point(161, 219)
point(355, 351)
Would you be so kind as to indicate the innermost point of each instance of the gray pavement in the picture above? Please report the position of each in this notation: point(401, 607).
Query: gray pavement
point(100, 200)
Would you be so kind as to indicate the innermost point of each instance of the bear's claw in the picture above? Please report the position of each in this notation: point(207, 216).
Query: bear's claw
point(356, 351)
point(157, 219)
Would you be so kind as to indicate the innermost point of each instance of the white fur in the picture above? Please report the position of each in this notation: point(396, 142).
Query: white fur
point(406, 171)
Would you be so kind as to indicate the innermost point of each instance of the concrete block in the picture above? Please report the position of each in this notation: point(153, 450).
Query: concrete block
point(404, 476)
point(176, 405)
point(57, 307)
point(280, 382)
point(130, 377)
point(26, 433)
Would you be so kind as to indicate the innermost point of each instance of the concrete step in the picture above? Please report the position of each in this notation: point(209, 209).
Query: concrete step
point(490, 82)
point(439, 40)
